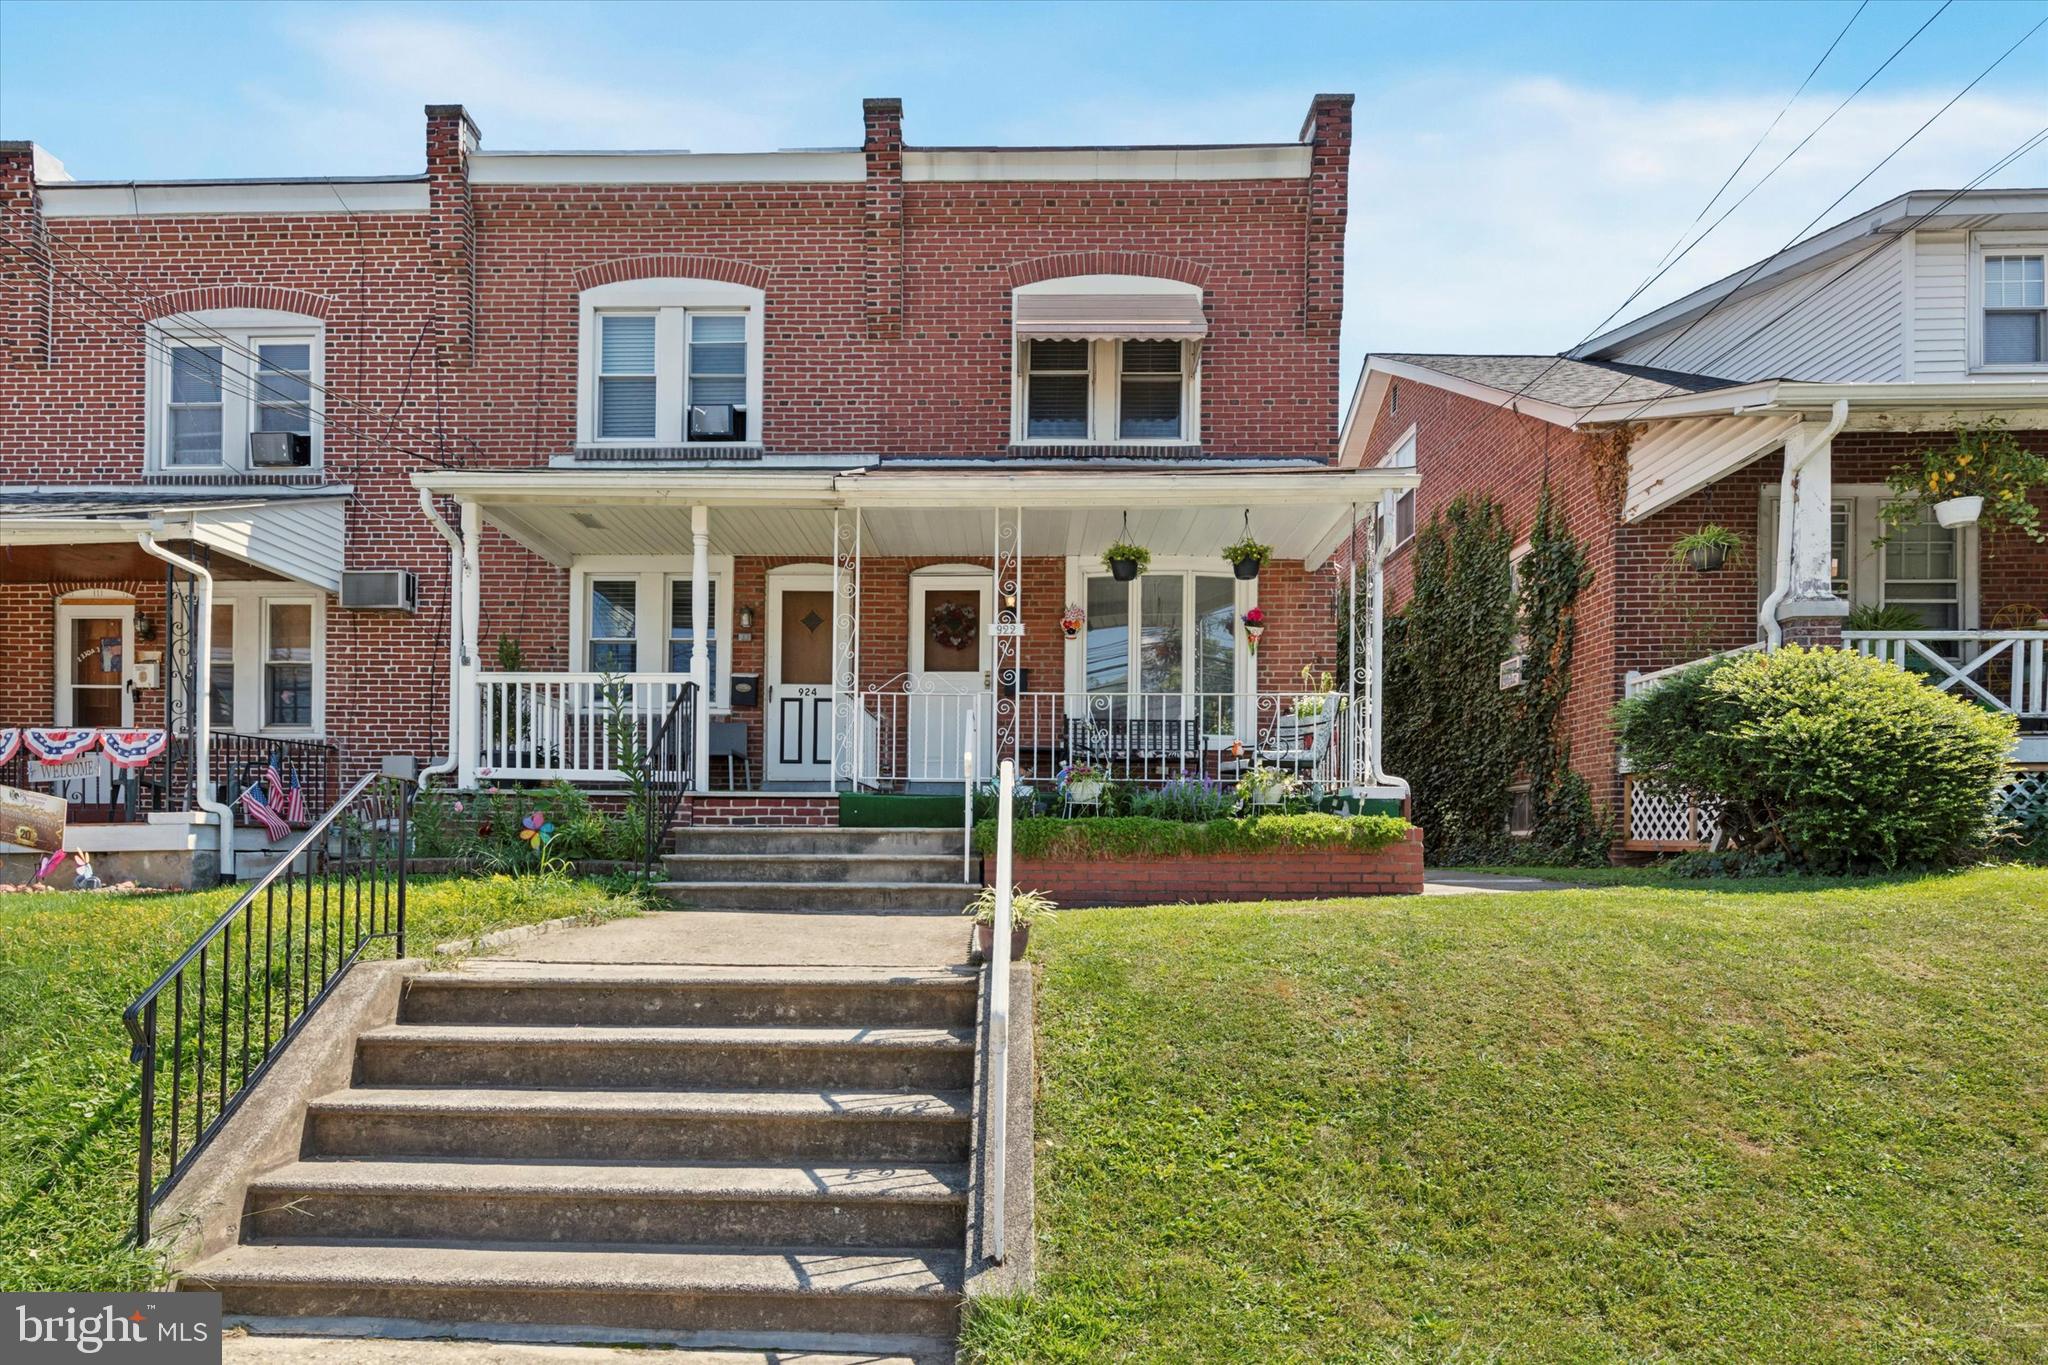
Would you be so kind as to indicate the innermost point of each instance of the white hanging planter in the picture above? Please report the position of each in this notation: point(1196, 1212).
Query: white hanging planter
point(1954, 512)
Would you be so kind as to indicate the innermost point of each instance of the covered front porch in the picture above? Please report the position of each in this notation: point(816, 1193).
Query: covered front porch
point(902, 630)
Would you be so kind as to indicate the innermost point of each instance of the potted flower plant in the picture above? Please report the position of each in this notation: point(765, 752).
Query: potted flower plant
point(1707, 549)
point(1125, 560)
point(1981, 477)
point(1254, 627)
point(1317, 693)
point(1081, 784)
point(1072, 619)
point(1263, 786)
point(1026, 909)
point(1246, 556)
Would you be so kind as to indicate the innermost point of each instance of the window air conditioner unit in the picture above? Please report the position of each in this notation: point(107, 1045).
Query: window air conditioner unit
point(718, 422)
point(280, 449)
point(1511, 672)
point(380, 590)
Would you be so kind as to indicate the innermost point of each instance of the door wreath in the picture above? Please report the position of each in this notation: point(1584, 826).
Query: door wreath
point(952, 626)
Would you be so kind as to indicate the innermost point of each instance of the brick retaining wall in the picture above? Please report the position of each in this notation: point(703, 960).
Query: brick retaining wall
point(1273, 874)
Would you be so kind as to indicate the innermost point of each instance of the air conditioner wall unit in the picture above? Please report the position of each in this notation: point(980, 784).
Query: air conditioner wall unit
point(380, 590)
point(280, 449)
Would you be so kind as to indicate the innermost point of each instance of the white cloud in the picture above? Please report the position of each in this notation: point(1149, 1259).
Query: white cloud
point(1512, 217)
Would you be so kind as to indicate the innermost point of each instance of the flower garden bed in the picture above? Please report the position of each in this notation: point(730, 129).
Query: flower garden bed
point(1137, 861)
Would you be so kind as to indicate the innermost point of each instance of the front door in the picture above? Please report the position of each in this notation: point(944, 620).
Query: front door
point(949, 673)
point(95, 648)
point(799, 711)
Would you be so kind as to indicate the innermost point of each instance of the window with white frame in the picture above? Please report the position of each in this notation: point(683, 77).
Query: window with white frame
point(633, 614)
point(1923, 567)
point(1107, 391)
point(1056, 384)
point(670, 362)
point(266, 666)
point(287, 665)
point(1163, 647)
point(218, 377)
point(2015, 307)
point(1397, 510)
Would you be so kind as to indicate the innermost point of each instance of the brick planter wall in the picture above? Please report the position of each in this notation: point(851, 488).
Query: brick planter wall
point(1272, 875)
point(817, 812)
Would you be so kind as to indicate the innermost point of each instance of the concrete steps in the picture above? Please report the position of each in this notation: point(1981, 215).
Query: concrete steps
point(746, 1156)
point(817, 871)
point(822, 898)
point(759, 841)
point(785, 868)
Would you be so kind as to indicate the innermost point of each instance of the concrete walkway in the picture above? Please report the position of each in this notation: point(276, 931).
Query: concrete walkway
point(746, 938)
point(1451, 882)
point(242, 1349)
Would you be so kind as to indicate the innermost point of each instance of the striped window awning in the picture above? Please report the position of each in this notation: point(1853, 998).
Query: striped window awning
point(1126, 317)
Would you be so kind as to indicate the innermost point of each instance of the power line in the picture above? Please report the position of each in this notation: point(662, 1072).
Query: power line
point(1664, 268)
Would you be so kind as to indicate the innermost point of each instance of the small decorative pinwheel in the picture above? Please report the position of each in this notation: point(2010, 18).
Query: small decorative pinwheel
point(536, 828)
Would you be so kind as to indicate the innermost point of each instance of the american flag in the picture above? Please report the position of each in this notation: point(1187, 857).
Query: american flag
point(275, 778)
point(295, 802)
point(253, 802)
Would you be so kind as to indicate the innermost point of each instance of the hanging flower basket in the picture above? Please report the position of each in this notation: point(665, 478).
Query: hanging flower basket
point(1254, 627)
point(1954, 512)
point(1247, 556)
point(1125, 560)
point(1072, 619)
point(1707, 549)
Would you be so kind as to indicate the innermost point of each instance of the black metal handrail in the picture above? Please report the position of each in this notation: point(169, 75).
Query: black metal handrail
point(671, 767)
point(356, 854)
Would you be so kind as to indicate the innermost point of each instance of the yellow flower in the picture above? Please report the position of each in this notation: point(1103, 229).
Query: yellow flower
point(1934, 483)
point(1963, 460)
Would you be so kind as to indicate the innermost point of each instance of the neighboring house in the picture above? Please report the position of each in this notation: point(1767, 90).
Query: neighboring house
point(800, 427)
point(1851, 349)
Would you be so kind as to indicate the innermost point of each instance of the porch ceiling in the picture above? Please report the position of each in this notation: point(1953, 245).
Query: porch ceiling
point(1303, 514)
point(104, 562)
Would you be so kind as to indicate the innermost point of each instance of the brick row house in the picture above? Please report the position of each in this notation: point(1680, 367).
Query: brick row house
point(466, 470)
point(1799, 382)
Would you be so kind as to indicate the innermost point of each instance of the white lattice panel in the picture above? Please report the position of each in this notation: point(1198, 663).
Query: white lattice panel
point(1654, 818)
point(2024, 793)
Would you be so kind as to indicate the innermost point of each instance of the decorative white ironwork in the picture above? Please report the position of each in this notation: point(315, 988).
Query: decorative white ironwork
point(1007, 565)
point(846, 711)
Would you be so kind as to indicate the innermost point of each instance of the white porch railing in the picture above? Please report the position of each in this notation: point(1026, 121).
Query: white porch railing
point(1146, 739)
point(2007, 669)
point(576, 726)
point(1636, 681)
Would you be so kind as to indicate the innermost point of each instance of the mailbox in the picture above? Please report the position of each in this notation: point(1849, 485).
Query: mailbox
point(746, 692)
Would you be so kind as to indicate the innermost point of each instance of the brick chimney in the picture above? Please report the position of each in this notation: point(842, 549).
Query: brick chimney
point(451, 230)
point(25, 282)
point(1327, 131)
point(882, 218)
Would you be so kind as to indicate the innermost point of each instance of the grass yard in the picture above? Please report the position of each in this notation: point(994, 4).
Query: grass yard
point(1772, 1123)
point(69, 964)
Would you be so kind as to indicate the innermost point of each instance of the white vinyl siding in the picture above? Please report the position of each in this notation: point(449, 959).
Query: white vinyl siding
point(1843, 322)
point(1941, 307)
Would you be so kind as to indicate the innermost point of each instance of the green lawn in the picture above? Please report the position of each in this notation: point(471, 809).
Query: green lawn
point(1626, 1124)
point(69, 963)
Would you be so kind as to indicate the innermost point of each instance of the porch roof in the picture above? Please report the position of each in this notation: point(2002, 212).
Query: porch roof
point(88, 534)
point(561, 515)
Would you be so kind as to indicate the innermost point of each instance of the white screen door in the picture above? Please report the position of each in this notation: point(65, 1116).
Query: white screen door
point(949, 674)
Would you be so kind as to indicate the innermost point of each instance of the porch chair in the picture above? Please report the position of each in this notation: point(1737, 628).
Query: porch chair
point(729, 742)
point(1293, 743)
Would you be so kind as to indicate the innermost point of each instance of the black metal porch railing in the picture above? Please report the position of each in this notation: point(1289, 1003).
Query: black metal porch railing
point(246, 987)
point(236, 761)
point(671, 768)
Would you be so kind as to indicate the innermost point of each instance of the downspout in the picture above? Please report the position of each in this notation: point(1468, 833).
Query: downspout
point(443, 766)
point(202, 689)
point(1767, 614)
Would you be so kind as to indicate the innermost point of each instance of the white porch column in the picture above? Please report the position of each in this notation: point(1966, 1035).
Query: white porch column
point(1377, 663)
point(1357, 737)
point(469, 613)
point(1804, 608)
point(700, 657)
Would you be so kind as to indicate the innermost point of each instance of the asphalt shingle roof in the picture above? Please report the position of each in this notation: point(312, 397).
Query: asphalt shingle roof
point(110, 502)
point(1568, 383)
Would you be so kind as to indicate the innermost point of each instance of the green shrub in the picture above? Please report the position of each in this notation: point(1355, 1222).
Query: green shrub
point(1842, 763)
point(1187, 799)
point(1137, 836)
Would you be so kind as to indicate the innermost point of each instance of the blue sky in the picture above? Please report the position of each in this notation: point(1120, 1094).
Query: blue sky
point(1519, 167)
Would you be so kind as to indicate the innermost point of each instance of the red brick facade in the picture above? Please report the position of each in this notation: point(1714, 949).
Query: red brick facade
point(451, 339)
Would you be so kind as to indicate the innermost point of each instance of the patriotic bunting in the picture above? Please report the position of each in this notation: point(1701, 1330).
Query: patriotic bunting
point(253, 802)
point(133, 748)
point(10, 740)
point(59, 746)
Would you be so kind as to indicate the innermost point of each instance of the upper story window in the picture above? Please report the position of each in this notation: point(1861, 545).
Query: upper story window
point(1108, 359)
point(2015, 308)
point(670, 363)
point(234, 390)
point(1397, 510)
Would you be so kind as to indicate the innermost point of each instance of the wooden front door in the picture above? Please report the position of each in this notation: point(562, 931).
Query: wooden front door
point(799, 712)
